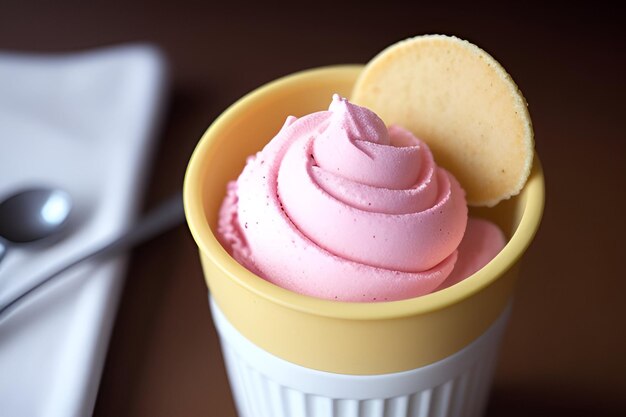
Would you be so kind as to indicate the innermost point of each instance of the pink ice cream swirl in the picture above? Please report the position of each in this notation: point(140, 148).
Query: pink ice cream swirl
point(337, 206)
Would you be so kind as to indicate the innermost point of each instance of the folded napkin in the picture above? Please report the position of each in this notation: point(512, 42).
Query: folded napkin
point(85, 123)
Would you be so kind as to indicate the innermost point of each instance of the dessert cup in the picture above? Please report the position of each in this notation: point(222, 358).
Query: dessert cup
point(293, 355)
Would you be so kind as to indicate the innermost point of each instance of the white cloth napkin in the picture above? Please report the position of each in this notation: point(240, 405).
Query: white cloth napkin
point(83, 122)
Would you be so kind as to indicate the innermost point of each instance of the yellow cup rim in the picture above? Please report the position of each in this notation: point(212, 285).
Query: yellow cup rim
point(211, 248)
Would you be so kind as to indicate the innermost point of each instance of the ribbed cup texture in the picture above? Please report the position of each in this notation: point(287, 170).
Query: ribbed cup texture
point(265, 385)
point(256, 395)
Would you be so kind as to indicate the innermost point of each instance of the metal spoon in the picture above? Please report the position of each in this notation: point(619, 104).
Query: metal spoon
point(165, 216)
point(32, 214)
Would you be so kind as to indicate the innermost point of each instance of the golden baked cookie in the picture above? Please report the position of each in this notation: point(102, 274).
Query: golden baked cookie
point(462, 103)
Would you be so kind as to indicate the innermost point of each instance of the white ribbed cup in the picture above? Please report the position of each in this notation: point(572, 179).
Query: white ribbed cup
point(267, 386)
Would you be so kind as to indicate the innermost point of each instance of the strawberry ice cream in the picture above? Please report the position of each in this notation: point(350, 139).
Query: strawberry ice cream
point(338, 206)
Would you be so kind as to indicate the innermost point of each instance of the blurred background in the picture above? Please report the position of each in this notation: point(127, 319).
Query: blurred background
point(564, 353)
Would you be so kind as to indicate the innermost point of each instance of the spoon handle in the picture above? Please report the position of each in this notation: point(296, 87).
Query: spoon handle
point(168, 214)
point(3, 248)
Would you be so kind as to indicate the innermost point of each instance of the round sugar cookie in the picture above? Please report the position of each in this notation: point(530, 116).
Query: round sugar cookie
point(462, 103)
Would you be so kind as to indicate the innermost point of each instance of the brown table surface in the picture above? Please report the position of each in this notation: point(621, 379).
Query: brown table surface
point(564, 351)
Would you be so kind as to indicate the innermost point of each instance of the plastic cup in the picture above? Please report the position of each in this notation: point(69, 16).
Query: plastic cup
point(290, 355)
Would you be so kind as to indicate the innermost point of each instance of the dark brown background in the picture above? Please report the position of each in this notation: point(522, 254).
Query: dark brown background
point(563, 354)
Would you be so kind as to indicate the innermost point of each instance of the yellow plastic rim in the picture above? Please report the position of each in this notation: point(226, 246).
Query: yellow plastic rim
point(227, 279)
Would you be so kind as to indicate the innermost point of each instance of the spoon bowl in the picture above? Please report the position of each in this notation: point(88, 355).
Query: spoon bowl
point(32, 214)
